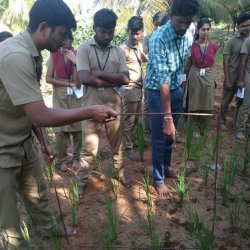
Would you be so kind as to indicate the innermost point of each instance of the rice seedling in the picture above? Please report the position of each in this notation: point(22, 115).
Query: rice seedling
point(205, 238)
point(235, 211)
point(194, 221)
point(234, 164)
point(202, 233)
point(49, 132)
point(246, 156)
point(26, 236)
point(146, 188)
point(181, 187)
point(56, 239)
point(140, 140)
point(113, 187)
point(110, 233)
point(48, 171)
point(73, 202)
point(148, 226)
point(224, 182)
point(189, 140)
point(206, 168)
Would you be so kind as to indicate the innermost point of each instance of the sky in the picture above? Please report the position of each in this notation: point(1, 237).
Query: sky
point(87, 4)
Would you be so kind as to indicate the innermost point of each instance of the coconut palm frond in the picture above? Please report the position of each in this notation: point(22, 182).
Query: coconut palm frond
point(16, 16)
point(214, 10)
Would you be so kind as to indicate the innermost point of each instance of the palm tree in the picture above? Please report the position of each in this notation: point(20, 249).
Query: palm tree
point(218, 10)
point(15, 13)
point(127, 8)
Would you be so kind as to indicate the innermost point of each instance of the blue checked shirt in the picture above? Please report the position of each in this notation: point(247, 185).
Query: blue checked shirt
point(165, 62)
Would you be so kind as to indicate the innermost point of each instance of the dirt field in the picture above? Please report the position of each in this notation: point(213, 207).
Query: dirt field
point(168, 220)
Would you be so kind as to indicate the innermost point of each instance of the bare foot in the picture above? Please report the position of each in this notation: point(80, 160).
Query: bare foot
point(125, 182)
point(64, 166)
point(162, 190)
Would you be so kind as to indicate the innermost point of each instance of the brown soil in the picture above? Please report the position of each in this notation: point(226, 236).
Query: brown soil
point(171, 220)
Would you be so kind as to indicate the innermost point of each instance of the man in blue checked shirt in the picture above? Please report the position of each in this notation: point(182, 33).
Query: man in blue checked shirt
point(168, 51)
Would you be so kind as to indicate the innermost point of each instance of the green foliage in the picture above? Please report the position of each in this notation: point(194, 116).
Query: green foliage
point(246, 156)
point(113, 187)
point(234, 161)
point(235, 211)
point(146, 187)
point(149, 227)
point(224, 182)
point(73, 201)
point(110, 233)
point(181, 187)
point(83, 32)
point(140, 140)
point(26, 236)
point(48, 171)
point(202, 233)
point(194, 222)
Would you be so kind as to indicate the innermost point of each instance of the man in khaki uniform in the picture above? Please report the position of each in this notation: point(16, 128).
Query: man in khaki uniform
point(243, 116)
point(102, 69)
point(132, 96)
point(231, 60)
point(22, 110)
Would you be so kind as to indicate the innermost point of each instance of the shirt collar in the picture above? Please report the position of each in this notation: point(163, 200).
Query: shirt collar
point(130, 45)
point(30, 43)
point(94, 43)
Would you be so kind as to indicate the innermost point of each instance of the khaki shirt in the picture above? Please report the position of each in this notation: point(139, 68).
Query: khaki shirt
point(232, 47)
point(18, 85)
point(133, 91)
point(245, 49)
point(86, 59)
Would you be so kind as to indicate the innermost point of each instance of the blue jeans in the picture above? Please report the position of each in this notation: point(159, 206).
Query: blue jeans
point(161, 146)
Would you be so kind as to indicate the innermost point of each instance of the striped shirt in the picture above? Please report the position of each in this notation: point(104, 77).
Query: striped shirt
point(168, 54)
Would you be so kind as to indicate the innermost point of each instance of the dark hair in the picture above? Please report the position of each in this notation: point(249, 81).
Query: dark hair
point(4, 35)
point(242, 18)
point(203, 21)
point(200, 23)
point(70, 36)
point(184, 7)
point(135, 23)
point(53, 12)
point(159, 16)
point(105, 18)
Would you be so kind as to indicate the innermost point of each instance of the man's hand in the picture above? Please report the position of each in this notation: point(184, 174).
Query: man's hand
point(240, 84)
point(49, 154)
point(169, 128)
point(70, 55)
point(144, 58)
point(101, 112)
point(228, 85)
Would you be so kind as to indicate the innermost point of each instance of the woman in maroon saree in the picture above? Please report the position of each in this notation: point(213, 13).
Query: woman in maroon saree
point(201, 82)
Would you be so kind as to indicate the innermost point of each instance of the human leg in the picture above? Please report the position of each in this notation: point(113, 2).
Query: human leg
point(62, 142)
point(9, 215)
point(227, 97)
point(90, 142)
point(244, 110)
point(77, 145)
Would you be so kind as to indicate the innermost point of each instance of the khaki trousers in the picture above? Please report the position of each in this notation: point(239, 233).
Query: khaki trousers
point(243, 116)
point(227, 97)
point(62, 142)
point(130, 121)
point(26, 180)
point(91, 136)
